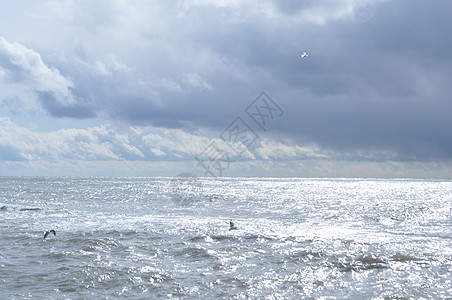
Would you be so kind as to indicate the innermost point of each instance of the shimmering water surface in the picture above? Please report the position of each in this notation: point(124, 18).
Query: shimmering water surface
point(146, 238)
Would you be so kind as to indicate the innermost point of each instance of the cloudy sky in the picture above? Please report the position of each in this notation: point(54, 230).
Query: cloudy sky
point(157, 88)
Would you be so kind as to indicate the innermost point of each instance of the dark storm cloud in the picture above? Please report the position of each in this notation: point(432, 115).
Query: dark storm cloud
point(59, 110)
point(375, 84)
point(293, 6)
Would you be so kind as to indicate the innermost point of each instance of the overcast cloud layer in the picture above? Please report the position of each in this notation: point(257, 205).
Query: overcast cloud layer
point(144, 87)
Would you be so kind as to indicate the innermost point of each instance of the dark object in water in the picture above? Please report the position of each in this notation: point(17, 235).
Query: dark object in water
point(29, 209)
point(48, 232)
point(232, 226)
point(4, 207)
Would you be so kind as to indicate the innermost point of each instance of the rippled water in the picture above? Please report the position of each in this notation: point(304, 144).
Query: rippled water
point(147, 238)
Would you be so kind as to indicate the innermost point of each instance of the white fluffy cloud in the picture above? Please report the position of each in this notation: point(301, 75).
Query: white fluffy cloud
point(72, 144)
point(105, 67)
point(108, 142)
point(25, 67)
point(28, 83)
point(109, 150)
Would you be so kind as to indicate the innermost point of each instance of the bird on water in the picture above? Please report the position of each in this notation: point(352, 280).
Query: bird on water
point(48, 232)
point(232, 226)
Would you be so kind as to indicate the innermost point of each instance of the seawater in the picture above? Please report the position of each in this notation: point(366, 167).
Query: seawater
point(169, 238)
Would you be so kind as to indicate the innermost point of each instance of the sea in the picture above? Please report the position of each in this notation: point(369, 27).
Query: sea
point(170, 238)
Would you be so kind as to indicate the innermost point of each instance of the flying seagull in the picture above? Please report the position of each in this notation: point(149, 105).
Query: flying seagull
point(48, 232)
point(303, 55)
point(232, 226)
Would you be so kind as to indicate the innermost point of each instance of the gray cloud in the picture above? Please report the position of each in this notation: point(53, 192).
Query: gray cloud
point(74, 110)
point(375, 85)
point(386, 87)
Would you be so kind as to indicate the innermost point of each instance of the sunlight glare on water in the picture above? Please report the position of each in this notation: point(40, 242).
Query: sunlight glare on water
point(170, 238)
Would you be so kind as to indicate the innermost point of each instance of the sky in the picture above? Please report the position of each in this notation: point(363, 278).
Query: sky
point(218, 88)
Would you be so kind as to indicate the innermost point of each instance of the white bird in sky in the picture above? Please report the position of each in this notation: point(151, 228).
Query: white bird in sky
point(303, 55)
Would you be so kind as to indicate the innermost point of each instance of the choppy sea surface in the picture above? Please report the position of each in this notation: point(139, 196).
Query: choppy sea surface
point(169, 238)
